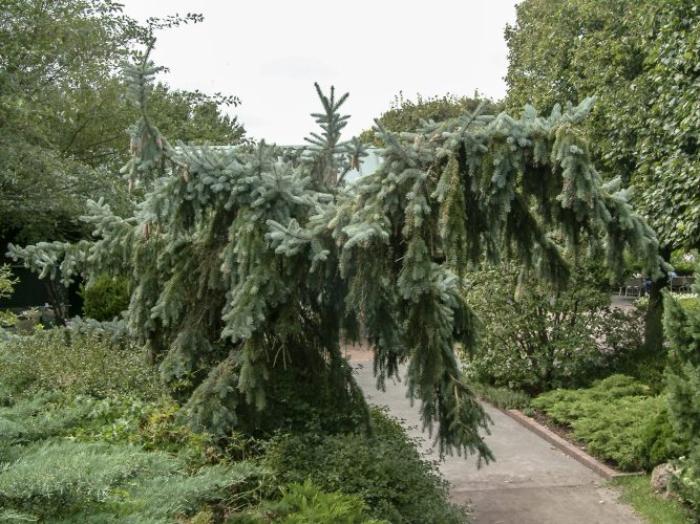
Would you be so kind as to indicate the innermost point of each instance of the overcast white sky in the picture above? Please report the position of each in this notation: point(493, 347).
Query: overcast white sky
point(270, 52)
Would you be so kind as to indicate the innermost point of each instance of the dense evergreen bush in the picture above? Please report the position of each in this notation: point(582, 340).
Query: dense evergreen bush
point(79, 459)
point(659, 440)
point(619, 420)
point(106, 297)
point(684, 262)
point(535, 340)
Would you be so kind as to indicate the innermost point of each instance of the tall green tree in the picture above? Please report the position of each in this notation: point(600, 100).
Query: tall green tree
point(64, 113)
point(249, 268)
point(409, 115)
point(639, 59)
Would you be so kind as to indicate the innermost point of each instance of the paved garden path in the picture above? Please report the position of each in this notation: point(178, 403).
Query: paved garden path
point(530, 483)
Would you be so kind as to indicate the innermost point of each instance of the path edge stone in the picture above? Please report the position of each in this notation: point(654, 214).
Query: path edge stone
point(564, 445)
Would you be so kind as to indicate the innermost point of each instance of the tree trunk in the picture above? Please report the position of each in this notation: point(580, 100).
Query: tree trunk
point(57, 299)
point(653, 322)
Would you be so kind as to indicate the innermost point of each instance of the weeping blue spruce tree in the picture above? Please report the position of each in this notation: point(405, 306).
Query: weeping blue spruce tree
point(251, 265)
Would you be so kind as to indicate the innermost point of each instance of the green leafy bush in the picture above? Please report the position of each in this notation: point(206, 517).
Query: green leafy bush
point(689, 303)
point(687, 481)
point(385, 470)
point(684, 262)
point(158, 425)
point(659, 439)
point(618, 419)
point(535, 341)
point(77, 363)
point(305, 504)
point(105, 297)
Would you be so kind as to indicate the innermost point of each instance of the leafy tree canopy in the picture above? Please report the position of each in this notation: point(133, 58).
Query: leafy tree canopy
point(63, 111)
point(407, 115)
point(639, 59)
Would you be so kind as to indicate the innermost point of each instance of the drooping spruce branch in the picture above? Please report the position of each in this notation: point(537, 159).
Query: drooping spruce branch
point(444, 199)
point(248, 267)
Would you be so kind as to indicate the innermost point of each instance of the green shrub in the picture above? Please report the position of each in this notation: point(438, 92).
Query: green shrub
point(684, 262)
point(159, 426)
point(618, 419)
point(80, 459)
point(76, 363)
point(533, 340)
point(105, 297)
point(306, 504)
point(42, 416)
point(659, 439)
point(385, 470)
point(689, 303)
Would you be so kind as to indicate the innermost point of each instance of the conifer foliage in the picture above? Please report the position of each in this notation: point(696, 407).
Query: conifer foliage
point(249, 265)
point(683, 372)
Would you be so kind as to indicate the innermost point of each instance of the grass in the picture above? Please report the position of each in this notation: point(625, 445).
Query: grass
point(637, 492)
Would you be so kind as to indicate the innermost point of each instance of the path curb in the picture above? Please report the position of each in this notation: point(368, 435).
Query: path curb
point(565, 446)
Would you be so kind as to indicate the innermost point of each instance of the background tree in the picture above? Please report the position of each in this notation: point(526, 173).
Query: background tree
point(63, 112)
point(407, 115)
point(639, 59)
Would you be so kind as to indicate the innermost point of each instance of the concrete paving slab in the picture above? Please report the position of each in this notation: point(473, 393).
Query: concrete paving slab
point(531, 481)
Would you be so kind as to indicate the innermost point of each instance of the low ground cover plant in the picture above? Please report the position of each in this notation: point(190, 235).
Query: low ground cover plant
point(306, 503)
point(619, 419)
